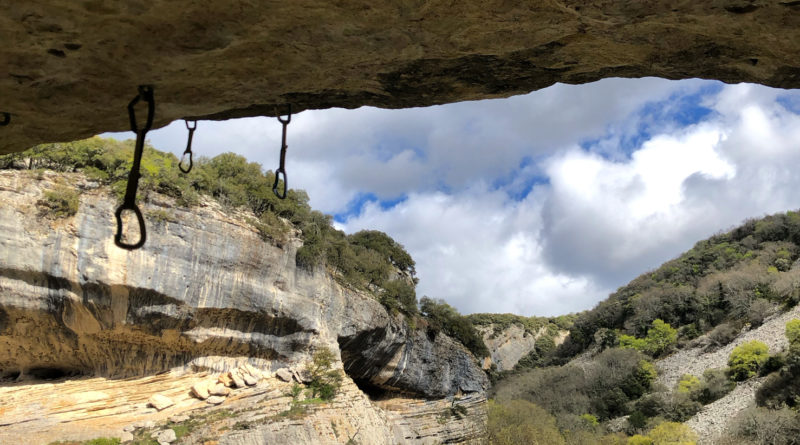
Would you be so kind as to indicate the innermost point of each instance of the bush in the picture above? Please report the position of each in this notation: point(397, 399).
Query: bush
point(759, 310)
point(638, 439)
point(442, 316)
point(689, 384)
point(660, 339)
point(714, 385)
point(779, 389)
point(721, 335)
point(672, 433)
point(603, 387)
point(61, 202)
point(793, 332)
point(746, 359)
point(519, 421)
point(767, 427)
point(325, 381)
point(400, 294)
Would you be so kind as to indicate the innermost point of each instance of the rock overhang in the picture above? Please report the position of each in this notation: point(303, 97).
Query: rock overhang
point(69, 68)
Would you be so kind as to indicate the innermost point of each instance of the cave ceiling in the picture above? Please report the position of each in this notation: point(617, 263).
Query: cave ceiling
point(68, 68)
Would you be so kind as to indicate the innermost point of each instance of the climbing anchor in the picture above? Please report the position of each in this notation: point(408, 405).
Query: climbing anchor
point(282, 168)
point(129, 202)
point(188, 150)
point(6, 119)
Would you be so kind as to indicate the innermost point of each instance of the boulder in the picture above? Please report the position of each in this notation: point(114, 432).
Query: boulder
point(249, 380)
point(215, 400)
point(179, 418)
point(165, 436)
point(219, 390)
point(237, 379)
point(160, 402)
point(202, 389)
point(284, 374)
point(225, 379)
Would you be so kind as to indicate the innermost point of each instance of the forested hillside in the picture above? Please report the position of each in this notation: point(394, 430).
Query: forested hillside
point(602, 387)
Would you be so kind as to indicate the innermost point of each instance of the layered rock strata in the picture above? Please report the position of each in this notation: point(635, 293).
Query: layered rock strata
point(204, 293)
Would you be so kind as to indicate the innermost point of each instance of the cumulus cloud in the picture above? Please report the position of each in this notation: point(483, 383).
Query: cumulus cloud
point(601, 218)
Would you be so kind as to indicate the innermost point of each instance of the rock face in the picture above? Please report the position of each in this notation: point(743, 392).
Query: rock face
point(204, 293)
point(71, 67)
point(509, 345)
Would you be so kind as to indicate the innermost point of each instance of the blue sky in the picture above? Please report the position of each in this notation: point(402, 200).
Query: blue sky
point(539, 204)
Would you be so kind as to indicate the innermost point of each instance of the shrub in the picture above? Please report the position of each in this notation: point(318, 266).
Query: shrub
point(638, 439)
point(759, 310)
point(325, 381)
point(779, 389)
point(767, 427)
point(689, 384)
point(793, 332)
point(520, 421)
point(774, 363)
point(714, 385)
point(660, 339)
point(61, 202)
point(672, 433)
point(746, 359)
point(442, 316)
point(400, 294)
point(721, 335)
point(590, 419)
point(603, 387)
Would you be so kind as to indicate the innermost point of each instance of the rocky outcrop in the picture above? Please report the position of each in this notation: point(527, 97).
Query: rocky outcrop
point(70, 67)
point(508, 345)
point(86, 408)
point(389, 358)
point(204, 293)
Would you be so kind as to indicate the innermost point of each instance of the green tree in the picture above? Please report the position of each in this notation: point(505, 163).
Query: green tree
point(661, 338)
point(442, 316)
point(688, 384)
point(672, 433)
point(793, 332)
point(638, 439)
point(746, 359)
point(325, 380)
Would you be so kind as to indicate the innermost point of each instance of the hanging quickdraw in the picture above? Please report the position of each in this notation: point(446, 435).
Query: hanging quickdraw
point(6, 119)
point(129, 202)
point(188, 150)
point(282, 168)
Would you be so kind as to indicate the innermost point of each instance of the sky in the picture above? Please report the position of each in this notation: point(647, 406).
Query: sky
point(540, 204)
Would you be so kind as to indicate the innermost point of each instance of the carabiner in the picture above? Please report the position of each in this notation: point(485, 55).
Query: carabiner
point(282, 167)
point(129, 202)
point(188, 150)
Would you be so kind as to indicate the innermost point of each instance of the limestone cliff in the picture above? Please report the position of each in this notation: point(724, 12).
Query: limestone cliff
point(68, 68)
point(204, 293)
point(510, 342)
